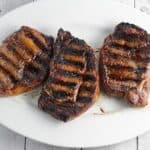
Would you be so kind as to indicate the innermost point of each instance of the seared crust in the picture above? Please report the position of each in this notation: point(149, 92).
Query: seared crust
point(72, 85)
point(125, 64)
point(23, 61)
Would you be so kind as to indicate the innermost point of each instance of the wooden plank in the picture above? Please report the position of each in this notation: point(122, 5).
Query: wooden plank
point(143, 5)
point(7, 5)
point(128, 145)
point(144, 142)
point(10, 140)
point(33, 145)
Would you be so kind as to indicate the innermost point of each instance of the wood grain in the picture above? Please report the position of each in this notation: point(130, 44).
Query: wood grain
point(144, 142)
point(143, 5)
point(10, 140)
point(33, 145)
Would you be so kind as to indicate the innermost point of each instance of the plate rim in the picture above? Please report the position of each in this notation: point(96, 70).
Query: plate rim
point(69, 146)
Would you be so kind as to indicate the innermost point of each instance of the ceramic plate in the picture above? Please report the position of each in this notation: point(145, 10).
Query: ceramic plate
point(91, 20)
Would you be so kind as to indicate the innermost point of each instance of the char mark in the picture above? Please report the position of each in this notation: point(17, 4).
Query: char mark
point(73, 51)
point(61, 95)
point(68, 74)
point(89, 77)
point(61, 82)
point(84, 99)
point(91, 65)
point(70, 62)
point(90, 89)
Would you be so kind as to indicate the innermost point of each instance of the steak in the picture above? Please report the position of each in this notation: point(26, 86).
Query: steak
point(125, 64)
point(72, 85)
point(24, 58)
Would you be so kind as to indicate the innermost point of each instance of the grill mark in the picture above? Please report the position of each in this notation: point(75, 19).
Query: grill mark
point(61, 82)
point(69, 62)
point(73, 51)
point(69, 68)
point(130, 53)
point(117, 78)
point(29, 44)
point(68, 79)
point(16, 73)
point(122, 62)
point(88, 84)
point(126, 48)
point(61, 95)
point(24, 55)
point(136, 58)
point(39, 38)
point(80, 59)
point(84, 93)
point(117, 52)
point(121, 85)
point(58, 95)
point(128, 68)
point(124, 74)
point(58, 87)
point(71, 92)
point(12, 61)
point(68, 74)
point(7, 73)
point(39, 44)
point(5, 79)
point(20, 50)
point(38, 54)
point(11, 56)
point(27, 73)
point(4, 57)
point(84, 99)
point(134, 44)
point(90, 89)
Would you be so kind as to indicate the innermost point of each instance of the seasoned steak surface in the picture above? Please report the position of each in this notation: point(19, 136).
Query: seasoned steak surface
point(125, 64)
point(72, 85)
point(23, 61)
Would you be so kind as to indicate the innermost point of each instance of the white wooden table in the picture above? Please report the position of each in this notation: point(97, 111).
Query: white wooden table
point(12, 141)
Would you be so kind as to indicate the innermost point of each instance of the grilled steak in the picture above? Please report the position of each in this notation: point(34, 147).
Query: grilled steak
point(125, 64)
point(72, 85)
point(24, 58)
